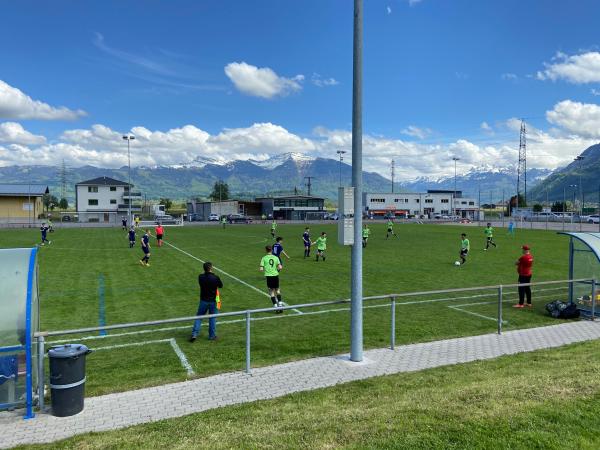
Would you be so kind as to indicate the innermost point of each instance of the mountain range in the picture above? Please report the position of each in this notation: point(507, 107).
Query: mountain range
point(283, 173)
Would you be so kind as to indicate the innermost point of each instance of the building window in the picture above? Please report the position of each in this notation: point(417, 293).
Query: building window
point(113, 201)
point(405, 200)
point(113, 188)
point(417, 200)
point(395, 200)
point(93, 201)
point(428, 200)
point(92, 188)
point(445, 200)
point(463, 203)
point(472, 203)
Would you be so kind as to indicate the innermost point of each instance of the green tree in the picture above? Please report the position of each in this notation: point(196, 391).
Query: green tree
point(63, 204)
point(167, 202)
point(558, 207)
point(220, 191)
point(537, 208)
point(50, 202)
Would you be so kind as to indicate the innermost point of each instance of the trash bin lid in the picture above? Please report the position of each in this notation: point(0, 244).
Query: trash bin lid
point(68, 351)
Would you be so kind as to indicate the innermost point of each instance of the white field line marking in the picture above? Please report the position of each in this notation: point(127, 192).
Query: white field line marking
point(475, 314)
point(182, 358)
point(229, 275)
point(310, 313)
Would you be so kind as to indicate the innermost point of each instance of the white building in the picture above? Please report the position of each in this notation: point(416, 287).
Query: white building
point(433, 203)
point(103, 199)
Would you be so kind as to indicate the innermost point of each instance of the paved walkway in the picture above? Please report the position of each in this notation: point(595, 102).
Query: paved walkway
point(113, 411)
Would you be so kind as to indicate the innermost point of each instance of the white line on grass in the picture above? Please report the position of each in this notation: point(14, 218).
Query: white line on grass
point(171, 341)
point(495, 319)
point(229, 275)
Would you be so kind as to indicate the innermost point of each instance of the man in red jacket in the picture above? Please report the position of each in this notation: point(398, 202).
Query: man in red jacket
point(524, 268)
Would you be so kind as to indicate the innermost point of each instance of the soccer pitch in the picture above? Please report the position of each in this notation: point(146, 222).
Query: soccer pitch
point(90, 277)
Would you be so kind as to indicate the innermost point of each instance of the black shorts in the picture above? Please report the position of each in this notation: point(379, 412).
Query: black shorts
point(390, 230)
point(273, 282)
point(146, 250)
point(159, 237)
point(464, 252)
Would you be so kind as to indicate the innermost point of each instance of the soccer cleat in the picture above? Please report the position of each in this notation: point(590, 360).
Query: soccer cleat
point(147, 264)
point(213, 338)
point(485, 249)
point(518, 306)
point(529, 305)
point(192, 338)
point(142, 263)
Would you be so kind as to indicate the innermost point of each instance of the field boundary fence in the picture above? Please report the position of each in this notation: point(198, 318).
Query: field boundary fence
point(393, 301)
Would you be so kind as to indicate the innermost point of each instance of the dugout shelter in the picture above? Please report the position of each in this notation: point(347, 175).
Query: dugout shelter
point(584, 263)
point(19, 320)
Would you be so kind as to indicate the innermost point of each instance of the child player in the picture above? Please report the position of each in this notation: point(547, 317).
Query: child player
point(131, 236)
point(465, 246)
point(307, 242)
point(321, 243)
point(390, 229)
point(124, 223)
point(44, 231)
point(273, 228)
point(365, 235)
point(278, 249)
point(270, 266)
point(489, 236)
point(145, 261)
point(160, 232)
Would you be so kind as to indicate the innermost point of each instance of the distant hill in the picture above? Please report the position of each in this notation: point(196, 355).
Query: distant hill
point(247, 179)
point(557, 183)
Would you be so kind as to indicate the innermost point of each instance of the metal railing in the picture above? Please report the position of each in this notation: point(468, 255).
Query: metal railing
point(500, 289)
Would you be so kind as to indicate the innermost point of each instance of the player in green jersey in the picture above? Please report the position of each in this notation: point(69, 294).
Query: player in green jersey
point(224, 221)
point(270, 265)
point(465, 246)
point(390, 229)
point(489, 236)
point(321, 244)
point(273, 228)
point(365, 235)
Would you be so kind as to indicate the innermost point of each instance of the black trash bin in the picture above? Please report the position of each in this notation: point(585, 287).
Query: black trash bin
point(67, 378)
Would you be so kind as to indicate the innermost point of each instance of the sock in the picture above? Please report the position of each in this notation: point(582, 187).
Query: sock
point(274, 300)
point(278, 298)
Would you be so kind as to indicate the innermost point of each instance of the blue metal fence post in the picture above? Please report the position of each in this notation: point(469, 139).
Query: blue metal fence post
point(247, 341)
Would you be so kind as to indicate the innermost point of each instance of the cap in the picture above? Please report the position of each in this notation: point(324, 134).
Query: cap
point(526, 247)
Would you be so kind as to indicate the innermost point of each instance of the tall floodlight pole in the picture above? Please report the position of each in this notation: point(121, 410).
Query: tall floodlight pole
point(356, 310)
point(455, 159)
point(341, 154)
point(574, 186)
point(129, 138)
point(564, 208)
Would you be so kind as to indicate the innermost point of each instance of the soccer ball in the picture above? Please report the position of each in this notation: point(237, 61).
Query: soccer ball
point(457, 263)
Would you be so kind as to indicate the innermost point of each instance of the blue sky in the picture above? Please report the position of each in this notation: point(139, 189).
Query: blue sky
point(257, 78)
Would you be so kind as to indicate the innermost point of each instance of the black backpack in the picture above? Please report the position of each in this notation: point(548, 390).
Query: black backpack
point(562, 310)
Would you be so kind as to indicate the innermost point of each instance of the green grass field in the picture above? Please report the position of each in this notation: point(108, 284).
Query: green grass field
point(541, 400)
point(90, 276)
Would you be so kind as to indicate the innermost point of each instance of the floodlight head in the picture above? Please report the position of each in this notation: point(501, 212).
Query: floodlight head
point(128, 138)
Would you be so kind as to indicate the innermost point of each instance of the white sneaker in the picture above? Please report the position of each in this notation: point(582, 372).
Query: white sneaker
point(279, 304)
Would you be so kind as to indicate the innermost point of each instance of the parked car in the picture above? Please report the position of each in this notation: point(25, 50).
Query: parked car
point(333, 216)
point(165, 219)
point(594, 218)
point(213, 217)
point(238, 218)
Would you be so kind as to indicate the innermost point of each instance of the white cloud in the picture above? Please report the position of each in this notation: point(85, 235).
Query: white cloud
point(15, 104)
point(417, 132)
point(582, 119)
point(14, 133)
point(509, 76)
point(486, 128)
point(413, 2)
point(261, 82)
point(389, 10)
point(595, 92)
point(319, 81)
point(578, 69)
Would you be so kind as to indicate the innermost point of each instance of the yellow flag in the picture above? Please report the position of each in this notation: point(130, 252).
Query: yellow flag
point(218, 299)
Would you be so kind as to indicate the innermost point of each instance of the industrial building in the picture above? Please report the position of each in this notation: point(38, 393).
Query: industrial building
point(21, 202)
point(203, 210)
point(429, 204)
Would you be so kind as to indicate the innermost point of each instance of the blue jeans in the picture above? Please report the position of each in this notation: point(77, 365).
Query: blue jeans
point(203, 308)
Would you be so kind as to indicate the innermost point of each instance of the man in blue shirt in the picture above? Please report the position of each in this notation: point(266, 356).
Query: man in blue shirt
point(44, 231)
point(131, 236)
point(278, 249)
point(145, 261)
point(307, 242)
